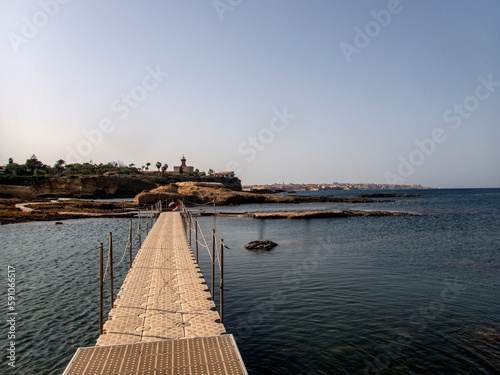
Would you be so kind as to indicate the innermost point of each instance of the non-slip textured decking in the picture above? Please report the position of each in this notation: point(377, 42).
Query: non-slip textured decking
point(196, 356)
point(163, 320)
point(164, 295)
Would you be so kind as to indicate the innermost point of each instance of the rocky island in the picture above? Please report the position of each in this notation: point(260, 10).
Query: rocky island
point(215, 193)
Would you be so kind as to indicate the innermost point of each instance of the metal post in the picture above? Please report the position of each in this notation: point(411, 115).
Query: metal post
point(221, 276)
point(101, 288)
point(130, 243)
point(196, 237)
point(213, 262)
point(111, 267)
point(147, 221)
point(140, 243)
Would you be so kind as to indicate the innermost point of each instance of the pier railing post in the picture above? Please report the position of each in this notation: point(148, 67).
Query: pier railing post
point(196, 237)
point(139, 216)
point(221, 277)
point(213, 263)
point(111, 267)
point(101, 288)
point(147, 221)
point(130, 243)
point(190, 225)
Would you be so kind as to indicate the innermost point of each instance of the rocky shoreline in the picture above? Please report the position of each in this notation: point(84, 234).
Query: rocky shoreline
point(16, 210)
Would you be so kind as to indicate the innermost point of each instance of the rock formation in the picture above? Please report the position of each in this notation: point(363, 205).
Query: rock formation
point(100, 186)
point(260, 245)
point(208, 193)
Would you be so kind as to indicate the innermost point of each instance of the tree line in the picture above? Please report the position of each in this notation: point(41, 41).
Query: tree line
point(34, 167)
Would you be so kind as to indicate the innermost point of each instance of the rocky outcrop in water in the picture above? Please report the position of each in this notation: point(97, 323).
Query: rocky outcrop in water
point(323, 214)
point(260, 245)
point(212, 193)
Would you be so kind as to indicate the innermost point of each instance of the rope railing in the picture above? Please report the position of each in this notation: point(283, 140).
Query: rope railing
point(217, 254)
point(191, 226)
point(107, 271)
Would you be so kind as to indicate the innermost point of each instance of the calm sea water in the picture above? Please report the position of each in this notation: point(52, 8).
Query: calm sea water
point(389, 295)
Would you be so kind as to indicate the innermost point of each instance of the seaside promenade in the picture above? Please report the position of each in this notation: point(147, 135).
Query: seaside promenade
point(164, 320)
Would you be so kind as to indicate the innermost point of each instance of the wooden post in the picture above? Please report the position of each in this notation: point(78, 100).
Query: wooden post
point(221, 276)
point(196, 237)
point(130, 243)
point(111, 267)
point(101, 288)
point(190, 229)
point(190, 226)
point(139, 216)
point(213, 263)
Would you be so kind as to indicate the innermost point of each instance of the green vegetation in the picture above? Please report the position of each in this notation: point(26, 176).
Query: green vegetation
point(34, 170)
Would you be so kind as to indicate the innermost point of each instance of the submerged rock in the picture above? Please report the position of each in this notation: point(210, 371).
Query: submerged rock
point(260, 245)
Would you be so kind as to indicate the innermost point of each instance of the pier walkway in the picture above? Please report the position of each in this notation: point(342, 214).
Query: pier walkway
point(164, 320)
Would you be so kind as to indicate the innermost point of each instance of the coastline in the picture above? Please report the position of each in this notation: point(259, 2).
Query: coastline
point(14, 210)
point(17, 210)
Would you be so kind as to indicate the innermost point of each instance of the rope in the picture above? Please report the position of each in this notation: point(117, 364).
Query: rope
point(107, 266)
point(202, 204)
point(123, 256)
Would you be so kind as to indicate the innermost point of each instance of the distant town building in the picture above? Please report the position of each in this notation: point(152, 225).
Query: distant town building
point(183, 168)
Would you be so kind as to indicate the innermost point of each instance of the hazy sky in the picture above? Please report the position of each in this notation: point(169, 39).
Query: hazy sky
point(280, 91)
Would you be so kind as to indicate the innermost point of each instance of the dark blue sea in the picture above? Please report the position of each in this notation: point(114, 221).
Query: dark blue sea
point(359, 295)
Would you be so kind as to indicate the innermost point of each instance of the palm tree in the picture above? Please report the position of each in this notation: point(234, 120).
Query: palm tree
point(158, 165)
point(164, 168)
point(147, 165)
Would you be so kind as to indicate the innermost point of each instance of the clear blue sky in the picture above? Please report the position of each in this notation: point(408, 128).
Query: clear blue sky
point(365, 91)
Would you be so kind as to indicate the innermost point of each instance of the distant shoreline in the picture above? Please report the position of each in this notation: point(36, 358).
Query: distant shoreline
point(294, 187)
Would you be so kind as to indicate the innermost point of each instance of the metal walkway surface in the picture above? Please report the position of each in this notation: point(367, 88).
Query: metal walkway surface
point(196, 356)
point(163, 297)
